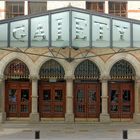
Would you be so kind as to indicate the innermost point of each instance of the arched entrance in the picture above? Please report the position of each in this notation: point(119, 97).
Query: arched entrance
point(17, 90)
point(52, 90)
point(121, 90)
point(87, 90)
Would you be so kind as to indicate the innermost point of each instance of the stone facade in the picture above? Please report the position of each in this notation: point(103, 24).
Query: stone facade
point(104, 63)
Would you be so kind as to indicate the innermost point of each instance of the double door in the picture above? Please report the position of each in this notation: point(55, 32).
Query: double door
point(121, 99)
point(52, 99)
point(87, 100)
point(17, 99)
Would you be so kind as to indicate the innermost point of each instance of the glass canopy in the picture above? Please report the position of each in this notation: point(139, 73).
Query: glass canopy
point(70, 27)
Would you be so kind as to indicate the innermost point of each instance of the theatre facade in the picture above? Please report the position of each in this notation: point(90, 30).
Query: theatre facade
point(70, 65)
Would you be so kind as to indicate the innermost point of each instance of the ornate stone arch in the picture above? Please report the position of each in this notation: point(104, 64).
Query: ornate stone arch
point(16, 69)
point(122, 70)
point(12, 56)
point(87, 70)
point(123, 56)
point(51, 69)
point(97, 60)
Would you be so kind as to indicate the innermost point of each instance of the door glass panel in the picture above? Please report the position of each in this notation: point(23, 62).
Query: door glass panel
point(114, 108)
point(47, 95)
point(58, 108)
point(12, 95)
point(80, 100)
point(24, 95)
point(47, 108)
point(126, 108)
point(12, 101)
point(80, 95)
point(24, 100)
point(58, 95)
point(126, 96)
point(92, 96)
point(114, 96)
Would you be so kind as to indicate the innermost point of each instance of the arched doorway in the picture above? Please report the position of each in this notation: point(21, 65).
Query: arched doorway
point(17, 89)
point(121, 90)
point(87, 90)
point(52, 90)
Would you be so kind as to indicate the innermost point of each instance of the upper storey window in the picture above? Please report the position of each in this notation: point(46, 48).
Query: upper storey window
point(118, 8)
point(95, 6)
point(36, 7)
point(14, 9)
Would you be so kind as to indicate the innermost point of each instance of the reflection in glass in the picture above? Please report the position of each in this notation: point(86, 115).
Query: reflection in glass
point(92, 96)
point(126, 95)
point(47, 108)
point(19, 33)
point(12, 101)
point(39, 31)
point(100, 31)
point(80, 29)
point(58, 95)
point(58, 108)
point(114, 108)
point(47, 95)
point(126, 108)
point(80, 95)
point(12, 95)
point(136, 35)
point(121, 34)
point(92, 109)
point(60, 29)
point(24, 95)
point(3, 35)
point(114, 96)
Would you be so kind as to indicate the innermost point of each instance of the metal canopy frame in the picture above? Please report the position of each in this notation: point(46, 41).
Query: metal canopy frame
point(55, 51)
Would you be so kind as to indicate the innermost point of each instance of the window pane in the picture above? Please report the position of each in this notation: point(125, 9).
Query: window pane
point(37, 7)
point(121, 34)
point(80, 29)
point(3, 35)
point(39, 31)
point(60, 29)
point(14, 9)
point(100, 31)
point(19, 33)
point(136, 35)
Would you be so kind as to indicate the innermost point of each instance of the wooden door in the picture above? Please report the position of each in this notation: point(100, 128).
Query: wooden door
point(17, 99)
point(52, 99)
point(121, 100)
point(87, 100)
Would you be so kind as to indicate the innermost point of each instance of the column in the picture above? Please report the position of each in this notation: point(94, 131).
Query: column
point(69, 116)
point(34, 116)
point(2, 100)
point(104, 116)
point(137, 101)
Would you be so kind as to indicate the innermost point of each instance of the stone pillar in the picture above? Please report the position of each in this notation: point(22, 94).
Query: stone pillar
point(2, 100)
point(69, 116)
point(137, 101)
point(34, 116)
point(104, 116)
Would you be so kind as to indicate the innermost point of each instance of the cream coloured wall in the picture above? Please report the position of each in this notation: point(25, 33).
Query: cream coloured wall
point(2, 10)
point(59, 4)
point(134, 9)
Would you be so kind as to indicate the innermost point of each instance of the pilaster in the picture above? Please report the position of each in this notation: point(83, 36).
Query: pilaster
point(104, 116)
point(69, 116)
point(34, 115)
point(136, 116)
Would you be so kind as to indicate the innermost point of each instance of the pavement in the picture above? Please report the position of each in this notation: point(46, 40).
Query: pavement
point(63, 131)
